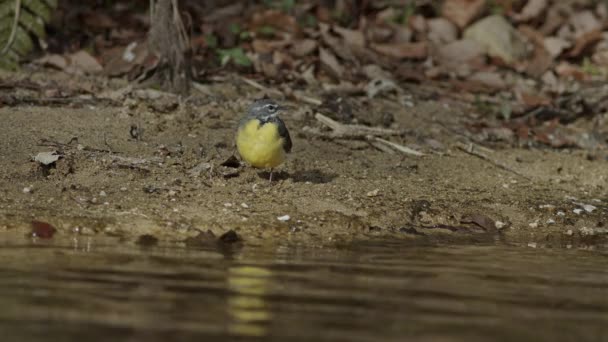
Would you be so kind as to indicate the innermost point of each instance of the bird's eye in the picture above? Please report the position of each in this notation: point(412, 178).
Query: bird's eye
point(271, 107)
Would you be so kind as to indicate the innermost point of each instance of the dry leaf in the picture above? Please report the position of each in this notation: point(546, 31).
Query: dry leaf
point(442, 31)
point(531, 10)
point(555, 46)
point(353, 37)
point(303, 47)
point(416, 50)
point(584, 42)
point(330, 63)
point(76, 63)
point(461, 51)
point(462, 12)
point(275, 18)
point(584, 22)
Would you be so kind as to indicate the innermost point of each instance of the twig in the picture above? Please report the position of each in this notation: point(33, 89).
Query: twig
point(399, 148)
point(307, 99)
point(261, 87)
point(470, 150)
point(344, 131)
point(11, 38)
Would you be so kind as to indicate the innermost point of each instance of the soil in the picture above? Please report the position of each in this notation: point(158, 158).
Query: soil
point(151, 164)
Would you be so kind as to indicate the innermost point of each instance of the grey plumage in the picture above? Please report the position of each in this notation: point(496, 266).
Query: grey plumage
point(266, 110)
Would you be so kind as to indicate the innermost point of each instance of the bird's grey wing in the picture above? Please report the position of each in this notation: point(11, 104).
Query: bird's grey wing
point(284, 133)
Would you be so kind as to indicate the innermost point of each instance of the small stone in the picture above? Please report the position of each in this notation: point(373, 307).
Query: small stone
point(578, 211)
point(532, 244)
point(533, 224)
point(102, 194)
point(244, 205)
point(27, 190)
point(499, 224)
point(561, 213)
point(124, 188)
point(550, 221)
point(227, 205)
point(284, 218)
point(373, 193)
point(172, 193)
point(569, 232)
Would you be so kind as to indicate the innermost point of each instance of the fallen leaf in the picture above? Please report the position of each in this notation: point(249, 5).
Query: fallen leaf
point(47, 158)
point(76, 63)
point(303, 47)
point(274, 18)
point(499, 38)
point(584, 42)
point(555, 46)
point(442, 31)
point(532, 10)
point(533, 100)
point(330, 63)
point(480, 220)
point(462, 12)
point(42, 230)
point(464, 51)
point(416, 50)
point(353, 37)
point(584, 22)
point(489, 79)
point(570, 70)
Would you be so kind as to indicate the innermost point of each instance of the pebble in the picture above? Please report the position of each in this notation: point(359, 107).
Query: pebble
point(102, 194)
point(227, 205)
point(373, 193)
point(244, 205)
point(578, 211)
point(124, 188)
point(284, 218)
point(27, 190)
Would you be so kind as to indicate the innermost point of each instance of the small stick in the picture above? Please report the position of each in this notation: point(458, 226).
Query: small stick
point(470, 150)
point(353, 131)
point(399, 148)
point(261, 87)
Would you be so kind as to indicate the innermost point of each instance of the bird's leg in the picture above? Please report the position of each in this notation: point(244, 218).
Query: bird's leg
point(270, 179)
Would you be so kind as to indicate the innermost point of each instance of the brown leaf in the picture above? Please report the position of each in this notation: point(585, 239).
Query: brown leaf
point(275, 18)
point(533, 100)
point(584, 42)
point(464, 51)
point(76, 63)
point(353, 37)
point(480, 220)
point(42, 230)
point(303, 47)
point(531, 10)
point(330, 63)
point(442, 31)
point(416, 50)
point(569, 70)
point(121, 60)
point(462, 12)
point(555, 45)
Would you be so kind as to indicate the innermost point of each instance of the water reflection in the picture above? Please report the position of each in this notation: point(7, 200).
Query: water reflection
point(97, 289)
point(246, 301)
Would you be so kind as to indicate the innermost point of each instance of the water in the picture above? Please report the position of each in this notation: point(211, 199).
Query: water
point(383, 291)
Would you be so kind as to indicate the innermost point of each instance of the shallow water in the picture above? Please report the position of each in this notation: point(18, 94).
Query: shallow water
point(382, 291)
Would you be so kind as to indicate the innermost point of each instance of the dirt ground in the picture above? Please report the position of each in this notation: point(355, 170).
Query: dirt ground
point(152, 165)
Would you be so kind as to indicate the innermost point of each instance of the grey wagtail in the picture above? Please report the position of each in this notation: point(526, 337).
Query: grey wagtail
point(262, 138)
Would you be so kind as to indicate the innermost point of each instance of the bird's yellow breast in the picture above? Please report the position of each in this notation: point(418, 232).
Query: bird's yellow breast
point(260, 145)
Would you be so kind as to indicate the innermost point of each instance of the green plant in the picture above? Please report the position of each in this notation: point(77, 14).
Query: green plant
point(20, 20)
point(236, 55)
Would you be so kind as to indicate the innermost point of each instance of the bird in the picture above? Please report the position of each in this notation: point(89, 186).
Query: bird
point(262, 139)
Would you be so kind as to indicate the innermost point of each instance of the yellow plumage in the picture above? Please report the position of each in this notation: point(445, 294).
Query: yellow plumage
point(260, 145)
